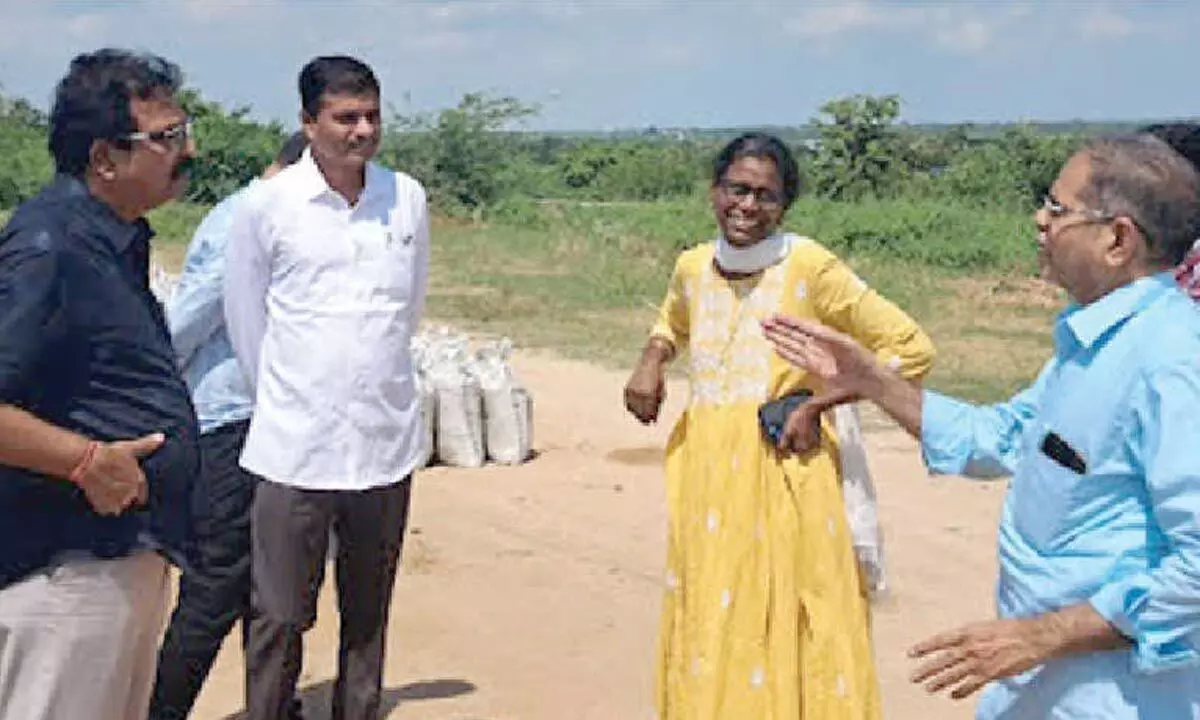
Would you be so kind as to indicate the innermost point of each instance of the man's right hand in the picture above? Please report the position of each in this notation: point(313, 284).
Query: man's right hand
point(646, 390)
point(838, 359)
point(113, 480)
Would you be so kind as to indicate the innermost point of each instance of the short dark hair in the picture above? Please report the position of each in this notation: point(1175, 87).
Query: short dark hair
point(93, 101)
point(761, 145)
point(292, 149)
point(1183, 137)
point(334, 75)
point(1142, 177)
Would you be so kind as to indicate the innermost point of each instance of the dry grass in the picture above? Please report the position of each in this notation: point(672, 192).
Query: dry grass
point(993, 334)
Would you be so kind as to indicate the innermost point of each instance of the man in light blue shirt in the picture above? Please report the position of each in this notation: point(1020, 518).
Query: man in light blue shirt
point(1099, 543)
point(215, 594)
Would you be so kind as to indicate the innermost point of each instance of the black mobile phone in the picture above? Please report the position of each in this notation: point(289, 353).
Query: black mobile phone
point(773, 415)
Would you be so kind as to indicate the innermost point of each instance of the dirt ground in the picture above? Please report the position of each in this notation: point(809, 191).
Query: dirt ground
point(532, 592)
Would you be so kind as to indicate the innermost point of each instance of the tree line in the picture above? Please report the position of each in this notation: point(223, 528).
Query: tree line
point(475, 155)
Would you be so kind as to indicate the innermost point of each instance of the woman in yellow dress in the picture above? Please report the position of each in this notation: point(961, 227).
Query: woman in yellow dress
point(765, 616)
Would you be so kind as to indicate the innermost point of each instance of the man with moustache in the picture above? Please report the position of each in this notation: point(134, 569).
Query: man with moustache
point(97, 432)
point(325, 282)
point(1099, 541)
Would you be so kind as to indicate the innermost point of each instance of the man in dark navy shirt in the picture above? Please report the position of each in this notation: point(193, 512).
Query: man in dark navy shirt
point(97, 432)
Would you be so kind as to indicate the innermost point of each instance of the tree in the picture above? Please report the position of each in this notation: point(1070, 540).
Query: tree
point(460, 153)
point(1011, 171)
point(27, 165)
point(858, 151)
point(231, 148)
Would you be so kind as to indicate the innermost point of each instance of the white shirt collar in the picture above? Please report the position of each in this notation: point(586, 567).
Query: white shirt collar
point(313, 183)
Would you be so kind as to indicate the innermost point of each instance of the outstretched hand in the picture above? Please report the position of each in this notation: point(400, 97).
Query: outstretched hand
point(836, 358)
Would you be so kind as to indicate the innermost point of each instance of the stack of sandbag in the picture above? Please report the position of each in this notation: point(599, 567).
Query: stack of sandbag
point(477, 409)
point(507, 406)
point(459, 425)
point(427, 397)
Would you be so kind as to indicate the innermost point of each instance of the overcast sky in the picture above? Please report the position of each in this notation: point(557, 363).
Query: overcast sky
point(596, 64)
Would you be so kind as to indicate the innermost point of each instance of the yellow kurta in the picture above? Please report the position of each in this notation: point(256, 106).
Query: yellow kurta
point(764, 615)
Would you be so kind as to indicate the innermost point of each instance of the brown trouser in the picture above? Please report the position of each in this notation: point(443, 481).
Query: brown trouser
point(290, 530)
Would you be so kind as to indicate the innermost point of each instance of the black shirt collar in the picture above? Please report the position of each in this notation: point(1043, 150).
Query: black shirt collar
point(100, 216)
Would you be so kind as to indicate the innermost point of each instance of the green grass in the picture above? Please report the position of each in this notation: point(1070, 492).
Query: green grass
point(585, 281)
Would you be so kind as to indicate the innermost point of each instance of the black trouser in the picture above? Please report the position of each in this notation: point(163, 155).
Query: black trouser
point(216, 593)
point(291, 531)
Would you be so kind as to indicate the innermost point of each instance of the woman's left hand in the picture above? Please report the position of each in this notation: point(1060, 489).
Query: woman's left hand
point(802, 431)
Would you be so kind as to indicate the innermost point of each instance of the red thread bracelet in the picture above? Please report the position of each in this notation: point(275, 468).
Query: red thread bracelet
point(84, 462)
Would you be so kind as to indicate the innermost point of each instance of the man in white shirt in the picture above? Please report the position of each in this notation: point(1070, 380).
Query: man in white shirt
point(325, 283)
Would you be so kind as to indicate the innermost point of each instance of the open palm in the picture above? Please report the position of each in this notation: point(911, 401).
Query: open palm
point(832, 356)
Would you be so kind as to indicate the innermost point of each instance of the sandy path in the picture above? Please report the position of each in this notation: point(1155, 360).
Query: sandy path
point(532, 593)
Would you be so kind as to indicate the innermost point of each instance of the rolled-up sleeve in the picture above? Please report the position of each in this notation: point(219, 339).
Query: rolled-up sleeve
point(29, 297)
point(247, 278)
point(1159, 609)
point(958, 438)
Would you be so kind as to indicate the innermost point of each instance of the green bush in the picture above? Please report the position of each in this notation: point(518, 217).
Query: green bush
point(949, 235)
point(27, 165)
point(231, 149)
point(954, 198)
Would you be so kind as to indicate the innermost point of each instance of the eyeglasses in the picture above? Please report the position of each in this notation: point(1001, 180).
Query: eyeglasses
point(175, 136)
point(765, 197)
point(1057, 210)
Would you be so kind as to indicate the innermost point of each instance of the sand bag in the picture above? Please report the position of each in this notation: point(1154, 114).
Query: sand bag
point(858, 493)
point(162, 283)
point(459, 419)
point(428, 401)
point(507, 406)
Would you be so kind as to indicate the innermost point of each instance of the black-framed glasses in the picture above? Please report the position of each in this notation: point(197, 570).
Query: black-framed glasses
point(765, 197)
point(175, 136)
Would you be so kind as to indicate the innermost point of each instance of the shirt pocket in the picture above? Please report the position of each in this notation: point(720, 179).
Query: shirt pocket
point(1045, 492)
point(389, 253)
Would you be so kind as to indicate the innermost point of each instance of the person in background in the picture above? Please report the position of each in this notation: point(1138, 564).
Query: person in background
point(326, 271)
point(1184, 138)
point(98, 449)
point(1099, 539)
point(215, 593)
point(765, 614)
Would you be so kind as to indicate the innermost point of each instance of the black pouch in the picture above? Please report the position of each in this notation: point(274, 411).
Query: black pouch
point(773, 415)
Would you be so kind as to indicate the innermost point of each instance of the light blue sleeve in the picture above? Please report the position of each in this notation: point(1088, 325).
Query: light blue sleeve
point(958, 438)
point(1160, 609)
point(247, 281)
point(195, 311)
